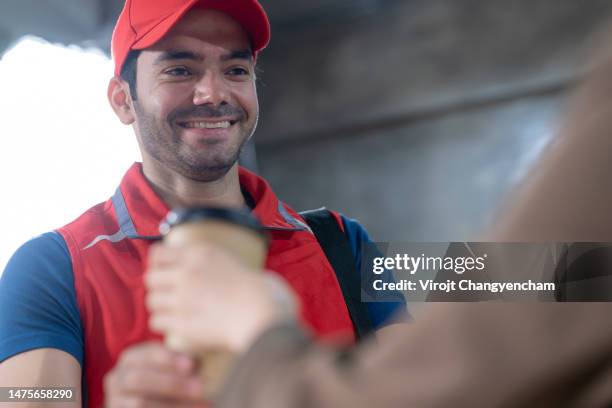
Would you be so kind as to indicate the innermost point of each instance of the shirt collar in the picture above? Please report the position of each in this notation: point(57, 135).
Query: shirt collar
point(140, 210)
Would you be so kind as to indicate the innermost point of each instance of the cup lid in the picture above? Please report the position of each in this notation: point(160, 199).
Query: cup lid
point(242, 218)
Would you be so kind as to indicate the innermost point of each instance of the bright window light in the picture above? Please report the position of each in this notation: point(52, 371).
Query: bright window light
point(62, 149)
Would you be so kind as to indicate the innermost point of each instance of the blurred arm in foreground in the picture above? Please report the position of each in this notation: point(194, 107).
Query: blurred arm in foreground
point(568, 196)
point(461, 355)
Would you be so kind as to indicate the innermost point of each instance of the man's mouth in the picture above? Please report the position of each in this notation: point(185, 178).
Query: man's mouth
point(222, 124)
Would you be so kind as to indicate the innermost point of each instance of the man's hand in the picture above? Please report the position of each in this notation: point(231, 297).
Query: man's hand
point(206, 297)
point(150, 375)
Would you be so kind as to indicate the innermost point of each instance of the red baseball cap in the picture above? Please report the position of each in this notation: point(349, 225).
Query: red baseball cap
point(144, 22)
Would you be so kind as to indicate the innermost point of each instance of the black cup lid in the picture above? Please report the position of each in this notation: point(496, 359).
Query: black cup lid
point(179, 216)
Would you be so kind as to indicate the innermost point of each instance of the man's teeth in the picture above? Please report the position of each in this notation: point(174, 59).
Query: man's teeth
point(208, 125)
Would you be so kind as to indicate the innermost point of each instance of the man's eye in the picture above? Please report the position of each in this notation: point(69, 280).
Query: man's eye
point(238, 71)
point(178, 71)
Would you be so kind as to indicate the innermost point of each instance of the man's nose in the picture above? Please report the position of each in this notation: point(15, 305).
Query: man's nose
point(210, 89)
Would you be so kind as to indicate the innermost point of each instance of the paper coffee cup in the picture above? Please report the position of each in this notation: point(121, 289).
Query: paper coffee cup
point(239, 233)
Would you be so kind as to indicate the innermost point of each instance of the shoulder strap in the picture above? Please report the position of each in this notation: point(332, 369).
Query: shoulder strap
point(338, 251)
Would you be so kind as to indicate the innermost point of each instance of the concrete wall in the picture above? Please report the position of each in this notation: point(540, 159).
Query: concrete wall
point(419, 117)
point(437, 179)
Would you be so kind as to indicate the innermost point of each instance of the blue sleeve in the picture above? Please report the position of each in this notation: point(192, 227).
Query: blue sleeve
point(381, 313)
point(38, 307)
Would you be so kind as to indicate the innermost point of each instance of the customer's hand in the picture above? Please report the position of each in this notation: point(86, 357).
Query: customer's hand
point(204, 296)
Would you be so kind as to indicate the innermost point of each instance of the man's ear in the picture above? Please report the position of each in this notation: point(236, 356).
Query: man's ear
point(118, 94)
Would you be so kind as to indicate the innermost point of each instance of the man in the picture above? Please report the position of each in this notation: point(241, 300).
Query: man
point(460, 355)
point(72, 301)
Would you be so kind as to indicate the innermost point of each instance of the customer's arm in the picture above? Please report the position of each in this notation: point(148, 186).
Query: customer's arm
point(461, 355)
point(567, 197)
point(467, 355)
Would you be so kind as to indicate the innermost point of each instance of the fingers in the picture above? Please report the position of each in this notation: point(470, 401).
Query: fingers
point(160, 300)
point(162, 323)
point(199, 294)
point(154, 355)
point(162, 260)
point(149, 374)
point(177, 270)
point(162, 255)
point(166, 263)
point(157, 385)
point(159, 278)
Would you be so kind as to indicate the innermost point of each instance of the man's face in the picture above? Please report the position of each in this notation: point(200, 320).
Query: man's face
point(197, 103)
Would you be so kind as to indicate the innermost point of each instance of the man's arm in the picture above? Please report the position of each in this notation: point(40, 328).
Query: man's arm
point(41, 340)
point(42, 368)
point(384, 315)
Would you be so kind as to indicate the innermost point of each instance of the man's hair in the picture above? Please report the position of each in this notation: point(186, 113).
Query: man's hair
point(128, 71)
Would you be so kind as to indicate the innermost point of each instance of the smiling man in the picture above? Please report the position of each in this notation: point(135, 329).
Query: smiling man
point(72, 301)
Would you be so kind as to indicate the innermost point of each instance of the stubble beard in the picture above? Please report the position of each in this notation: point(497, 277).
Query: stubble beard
point(209, 163)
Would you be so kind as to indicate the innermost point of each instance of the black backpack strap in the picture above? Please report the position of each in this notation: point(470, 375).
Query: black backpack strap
point(339, 254)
